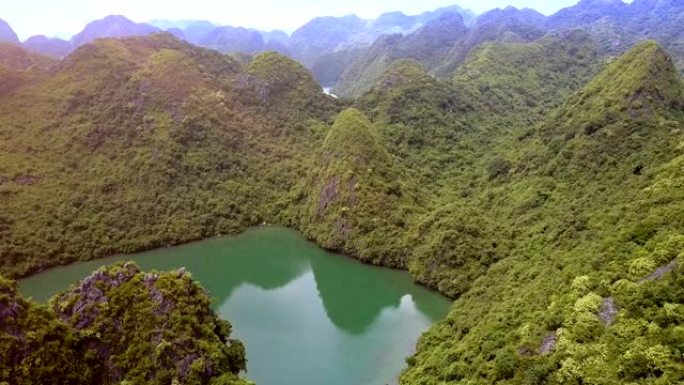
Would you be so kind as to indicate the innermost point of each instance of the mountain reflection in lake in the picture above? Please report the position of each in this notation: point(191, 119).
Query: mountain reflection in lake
point(306, 316)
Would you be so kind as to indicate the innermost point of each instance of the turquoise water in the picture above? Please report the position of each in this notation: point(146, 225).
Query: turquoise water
point(306, 316)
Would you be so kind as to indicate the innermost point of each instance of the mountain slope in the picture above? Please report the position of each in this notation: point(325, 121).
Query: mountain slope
point(14, 57)
point(355, 197)
point(437, 127)
point(175, 124)
point(29, 332)
point(441, 45)
point(507, 25)
point(563, 304)
point(363, 67)
point(18, 67)
point(617, 26)
point(430, 42)
point(511, 78)
point(428, 45)
point(325, 36)
point(644, 83)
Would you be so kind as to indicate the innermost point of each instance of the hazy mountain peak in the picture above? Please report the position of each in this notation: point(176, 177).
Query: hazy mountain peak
point(341, 26)
point(7, 34)
point(325, 34)
point(112, 26)
point(196, 31)
point(394, 19)
point(510, 12)
point(233, 39)
point(53, 47)
point(468, 15)
point(585, 12)
point(437, 36)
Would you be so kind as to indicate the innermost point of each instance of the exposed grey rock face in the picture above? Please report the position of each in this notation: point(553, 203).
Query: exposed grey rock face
point(549, 343)
point(608, 311)
point(660, 272)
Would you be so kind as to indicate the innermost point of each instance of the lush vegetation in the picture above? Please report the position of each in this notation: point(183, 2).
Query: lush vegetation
point(539, 185)
point(587, 287)
point(147, 142)
point(118, 326)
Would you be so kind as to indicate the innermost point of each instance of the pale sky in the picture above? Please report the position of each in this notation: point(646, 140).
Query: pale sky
point(65, 18)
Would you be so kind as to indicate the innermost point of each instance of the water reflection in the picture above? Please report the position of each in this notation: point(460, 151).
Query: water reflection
point(344, 289)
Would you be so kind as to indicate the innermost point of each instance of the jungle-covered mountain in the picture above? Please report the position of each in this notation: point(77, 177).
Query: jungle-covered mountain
point(538, 183)
point(166, 118)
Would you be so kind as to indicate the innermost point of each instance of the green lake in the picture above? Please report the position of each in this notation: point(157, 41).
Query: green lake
point(306, 316)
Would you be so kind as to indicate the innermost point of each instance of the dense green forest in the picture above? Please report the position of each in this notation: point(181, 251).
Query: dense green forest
point(538, 184)
point(118, 326)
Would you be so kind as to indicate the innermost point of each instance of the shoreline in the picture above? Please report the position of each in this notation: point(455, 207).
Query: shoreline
point(255, 227)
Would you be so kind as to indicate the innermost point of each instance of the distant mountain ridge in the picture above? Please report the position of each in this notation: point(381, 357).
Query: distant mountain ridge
point(617, 25)
point(319, 37)
point(441, 45)
point(348, 53)
point(613, 24)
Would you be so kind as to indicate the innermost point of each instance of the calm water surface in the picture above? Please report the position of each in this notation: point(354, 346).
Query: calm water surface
point(307, 316)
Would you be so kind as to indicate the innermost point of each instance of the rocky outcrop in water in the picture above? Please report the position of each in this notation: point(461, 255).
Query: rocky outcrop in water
point(119, 325)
